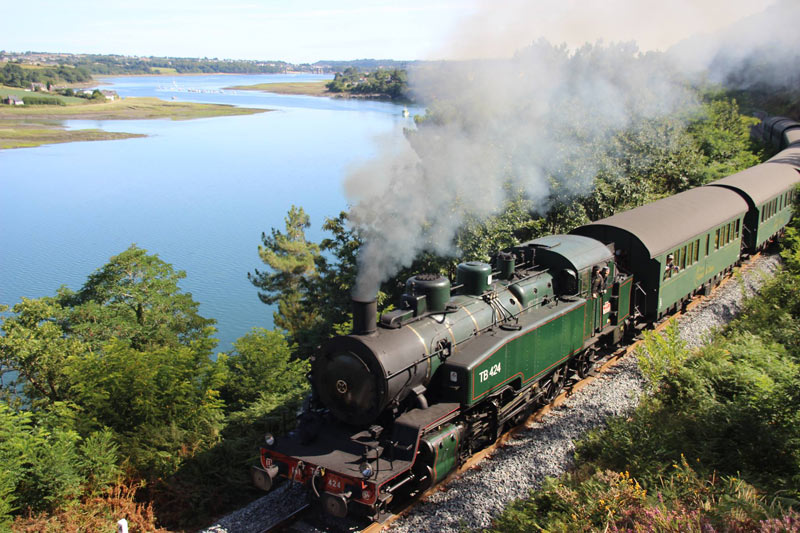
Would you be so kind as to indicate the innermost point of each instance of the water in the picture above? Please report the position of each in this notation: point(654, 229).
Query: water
point(198, 192)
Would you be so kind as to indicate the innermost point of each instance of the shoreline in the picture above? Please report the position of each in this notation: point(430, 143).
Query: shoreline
point(26, 127)
point(177, 74)
point(300, 88)
point(310, 88)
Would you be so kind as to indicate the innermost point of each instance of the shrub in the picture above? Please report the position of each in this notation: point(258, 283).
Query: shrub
point(42, 100)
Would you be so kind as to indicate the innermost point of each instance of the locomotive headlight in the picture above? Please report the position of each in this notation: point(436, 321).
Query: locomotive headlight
point(365, 469)
point(269, 439)
point(454, 376)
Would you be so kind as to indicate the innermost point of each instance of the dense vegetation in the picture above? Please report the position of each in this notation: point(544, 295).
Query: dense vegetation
point(714, 447)
point(113, 404)
point(13, 75)
point(114, 64)
point(110, 396)
point(385, 83)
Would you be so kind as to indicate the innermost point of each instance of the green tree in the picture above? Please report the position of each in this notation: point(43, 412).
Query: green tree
point(260, 363)
point(128, 352)
point(162, 403)
point(35, 349)
point(292, 271)
point(135, 297)
point(723, 136)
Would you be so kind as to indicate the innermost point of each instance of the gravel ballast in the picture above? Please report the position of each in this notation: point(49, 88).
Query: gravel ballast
point(545, 449)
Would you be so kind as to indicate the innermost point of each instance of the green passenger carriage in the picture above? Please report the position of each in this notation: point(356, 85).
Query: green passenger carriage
point(769, 192)
point(675, 246)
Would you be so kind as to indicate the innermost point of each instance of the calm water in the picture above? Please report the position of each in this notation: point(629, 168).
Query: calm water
point(198, 193)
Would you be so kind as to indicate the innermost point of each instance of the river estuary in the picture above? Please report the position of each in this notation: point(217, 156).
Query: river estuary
point(196, 192)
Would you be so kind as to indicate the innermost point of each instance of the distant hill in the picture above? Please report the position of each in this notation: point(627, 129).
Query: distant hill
point(364, 65)
point(111, 64)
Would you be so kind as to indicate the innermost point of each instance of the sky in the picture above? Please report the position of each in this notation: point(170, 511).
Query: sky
point(310, 30)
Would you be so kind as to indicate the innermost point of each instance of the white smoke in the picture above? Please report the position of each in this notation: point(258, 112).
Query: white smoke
point(512, 124)
point(763, 49)
point(508, 125)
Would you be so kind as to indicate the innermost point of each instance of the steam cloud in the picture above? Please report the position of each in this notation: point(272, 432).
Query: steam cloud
point(509, 125)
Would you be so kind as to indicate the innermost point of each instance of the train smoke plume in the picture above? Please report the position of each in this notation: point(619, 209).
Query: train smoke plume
point(500, 126)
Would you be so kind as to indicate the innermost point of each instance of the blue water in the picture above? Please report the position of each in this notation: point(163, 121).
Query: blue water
point(197, 192)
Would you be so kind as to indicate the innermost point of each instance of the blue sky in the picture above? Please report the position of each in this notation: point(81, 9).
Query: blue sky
point(296, 31)
point(311, 30)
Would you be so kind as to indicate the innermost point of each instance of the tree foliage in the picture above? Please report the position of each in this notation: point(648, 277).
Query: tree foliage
point(46, 464)
point(391, 83)
point(292, 272)
point(136, 297)
point(119, 370)
point(14, 75)
point(260, 363)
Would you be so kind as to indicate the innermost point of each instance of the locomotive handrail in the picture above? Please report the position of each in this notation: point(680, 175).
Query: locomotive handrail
point(438, 353)
point(639, 289)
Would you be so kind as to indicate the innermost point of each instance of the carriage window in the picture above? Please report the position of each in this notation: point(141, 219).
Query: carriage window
point(737, 228)
point(708, 241)
point(683, 258)
point(696, 250)
point(716, 240)
point(690, 260)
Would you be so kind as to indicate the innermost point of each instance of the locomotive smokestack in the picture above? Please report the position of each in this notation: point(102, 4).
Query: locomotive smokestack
point(365, 317)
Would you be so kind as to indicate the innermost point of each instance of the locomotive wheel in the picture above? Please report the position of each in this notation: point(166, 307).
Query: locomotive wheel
point(553, 386)
point(583, 364)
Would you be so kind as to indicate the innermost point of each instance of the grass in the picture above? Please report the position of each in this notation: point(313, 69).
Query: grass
point(28, 126)
point(309, 88)
point(128, 108)
point(14, 135)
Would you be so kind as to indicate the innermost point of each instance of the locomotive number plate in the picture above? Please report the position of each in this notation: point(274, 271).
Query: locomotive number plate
point(491, 372)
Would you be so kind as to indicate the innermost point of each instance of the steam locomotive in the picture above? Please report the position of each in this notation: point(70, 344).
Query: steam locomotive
point(406, 398)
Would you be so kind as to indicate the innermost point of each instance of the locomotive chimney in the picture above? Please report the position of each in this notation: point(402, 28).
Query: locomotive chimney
point(365, 317)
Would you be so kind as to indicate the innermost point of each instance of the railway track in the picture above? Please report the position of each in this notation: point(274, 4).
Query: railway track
point(287, 521)
point(296, 520)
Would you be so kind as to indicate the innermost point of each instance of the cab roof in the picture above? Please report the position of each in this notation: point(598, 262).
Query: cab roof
point(579, 251)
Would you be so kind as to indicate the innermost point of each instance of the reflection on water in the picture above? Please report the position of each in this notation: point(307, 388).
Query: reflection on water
point(198, 192)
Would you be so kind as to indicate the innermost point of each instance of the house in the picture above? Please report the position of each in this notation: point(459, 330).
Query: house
point(13, 100)
point(110, 95)
point(36, 86)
